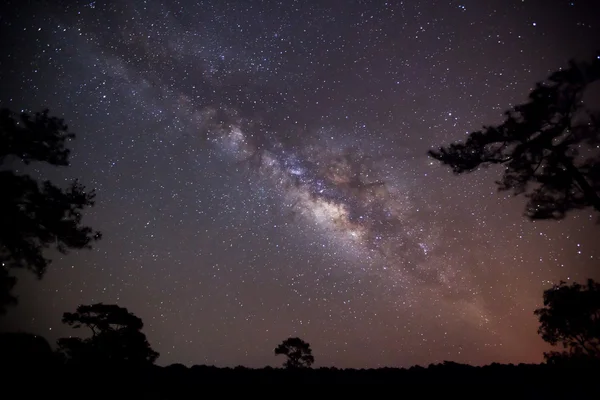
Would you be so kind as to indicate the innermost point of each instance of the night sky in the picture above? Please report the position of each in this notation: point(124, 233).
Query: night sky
point(261, 172)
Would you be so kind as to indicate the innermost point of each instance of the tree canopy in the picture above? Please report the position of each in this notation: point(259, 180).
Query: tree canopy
point(297, 351)
point(116, 337)
point(36, 215)
point(571, 318)
point(100, 318)
point(549, 146)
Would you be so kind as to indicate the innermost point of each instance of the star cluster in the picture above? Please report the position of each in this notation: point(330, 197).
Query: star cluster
point(261, 172)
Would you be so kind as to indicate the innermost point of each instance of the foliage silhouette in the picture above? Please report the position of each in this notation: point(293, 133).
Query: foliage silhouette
point(36, 215)
point(548, 146)
point(297, 351)
point(571, 317)
point(116, 337)
point(21, 350)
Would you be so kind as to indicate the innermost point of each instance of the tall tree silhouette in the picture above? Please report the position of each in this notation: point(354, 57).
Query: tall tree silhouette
point(116, 337)
point(36, 215)
point(297, 351)
point(571, 317)
point(548, 146)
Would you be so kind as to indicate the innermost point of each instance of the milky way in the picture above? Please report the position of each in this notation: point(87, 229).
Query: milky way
point(261, 172)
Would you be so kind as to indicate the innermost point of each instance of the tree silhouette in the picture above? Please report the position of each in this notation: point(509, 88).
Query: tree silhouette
point(36, 215)
point(25, 351)
point(116, 337)
point(571, 317)
point(297, 351)
point(548, 146)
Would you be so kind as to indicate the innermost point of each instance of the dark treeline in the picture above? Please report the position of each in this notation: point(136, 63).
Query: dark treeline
point(178, 381)
point(116, 359)
point(36, 360)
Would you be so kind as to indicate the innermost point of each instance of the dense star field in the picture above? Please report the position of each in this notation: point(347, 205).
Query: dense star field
point(261, 172)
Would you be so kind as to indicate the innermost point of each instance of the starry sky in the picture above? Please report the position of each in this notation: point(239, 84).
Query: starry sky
point(261, 172)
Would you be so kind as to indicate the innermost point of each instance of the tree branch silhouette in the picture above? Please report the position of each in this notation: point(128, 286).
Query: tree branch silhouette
point(37, 215)
point(541, 145)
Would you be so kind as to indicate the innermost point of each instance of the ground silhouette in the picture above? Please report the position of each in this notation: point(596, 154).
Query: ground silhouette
point(180, 382)
point(548, 147)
